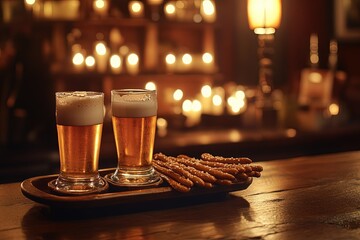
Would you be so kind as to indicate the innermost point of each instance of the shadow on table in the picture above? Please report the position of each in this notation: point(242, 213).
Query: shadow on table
point(153, 218)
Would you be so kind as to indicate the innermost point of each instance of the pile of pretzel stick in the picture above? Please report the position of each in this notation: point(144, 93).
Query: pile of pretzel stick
point(184, 172)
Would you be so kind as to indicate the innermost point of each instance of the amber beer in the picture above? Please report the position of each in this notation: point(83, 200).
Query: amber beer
point(134, 114)
point(79, 120)
point(134, 138)
point(79, 148)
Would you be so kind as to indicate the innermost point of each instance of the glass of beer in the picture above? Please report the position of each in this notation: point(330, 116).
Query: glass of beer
point(79, 121)
point(134, 113)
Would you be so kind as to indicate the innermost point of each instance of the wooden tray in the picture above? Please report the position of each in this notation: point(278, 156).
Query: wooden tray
point(37, 189)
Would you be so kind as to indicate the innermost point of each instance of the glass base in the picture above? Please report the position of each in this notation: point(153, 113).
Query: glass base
point(78, 186)
point(134, 177)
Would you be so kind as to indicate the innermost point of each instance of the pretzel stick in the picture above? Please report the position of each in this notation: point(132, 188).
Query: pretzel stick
point(174, 184)
point(237, 167)
point(216, 173)
point(195, 179)
point(206, 177)
point(211, 158)
point(208, 185)
point(254, 174)
point(182, 172)
point(225, 167)
point(231, 171)
point(241, 177)
point(247, 168)
point(257, 168)
point(175, 176)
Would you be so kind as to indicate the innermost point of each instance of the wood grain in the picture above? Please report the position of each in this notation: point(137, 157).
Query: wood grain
point(314, 197)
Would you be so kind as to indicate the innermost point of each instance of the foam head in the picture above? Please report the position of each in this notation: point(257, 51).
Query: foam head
point(79, 108)
point(133, 103)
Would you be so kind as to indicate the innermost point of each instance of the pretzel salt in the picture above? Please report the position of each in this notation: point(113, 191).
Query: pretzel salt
point(224, 167)
point(211, 158)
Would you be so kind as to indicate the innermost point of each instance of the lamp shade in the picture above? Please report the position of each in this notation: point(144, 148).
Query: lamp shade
point(264, 15)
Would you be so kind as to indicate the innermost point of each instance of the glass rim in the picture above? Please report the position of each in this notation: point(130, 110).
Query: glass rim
point(88, 93)
point(133, 91)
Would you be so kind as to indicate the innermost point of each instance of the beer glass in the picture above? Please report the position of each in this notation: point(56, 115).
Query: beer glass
point(134, 113)
point(79, 121)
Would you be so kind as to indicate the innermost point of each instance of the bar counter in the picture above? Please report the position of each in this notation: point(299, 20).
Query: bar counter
point(314, 197)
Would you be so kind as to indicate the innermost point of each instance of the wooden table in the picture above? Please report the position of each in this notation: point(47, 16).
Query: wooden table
point(315, 197)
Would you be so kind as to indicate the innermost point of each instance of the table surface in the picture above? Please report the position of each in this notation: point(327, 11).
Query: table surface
point(315, 197)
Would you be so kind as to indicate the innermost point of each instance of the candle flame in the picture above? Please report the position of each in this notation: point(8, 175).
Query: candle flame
point(178, 94)
point(187, 59)
point(115, 61)
point(170, 8)
point(206, 91)
point(150, 86)
point(90, 61)
point(133, 59)
point(100, 48)
point(78, 59)
point(170, 59)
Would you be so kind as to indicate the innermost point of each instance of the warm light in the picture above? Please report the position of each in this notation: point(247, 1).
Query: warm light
point(291, 132)
point(334, 109)
point(150, 86)
point(161, 123)
point(314, 59)
point(78, 59)
point(236, 104)
point(217, 100)
point(208, 7)
point(170, 8)
point(314, 49)
point(315, 77)
point(235, 136)
point(178, 95)
point(30, 2)
point(155, 2)
point(197, 18)
point(100, 48)
point(170, 58)
point(89, 61)
point(133, 59)
point(115, 61)
point(196, 106)
point(187, 105)
point(124, 50)
point(180, 4)
point(136, 7)
point(240, 94)
point(207, 58)
point(206, 91)
point(208, 11)
point(187, 59)
point(231, 101)
point(101, 7)
point(99, 4)
point(132, 64)
point(264, 15)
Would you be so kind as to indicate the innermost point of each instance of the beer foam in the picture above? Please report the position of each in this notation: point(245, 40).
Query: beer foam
point(136, 105)
point(79, 108)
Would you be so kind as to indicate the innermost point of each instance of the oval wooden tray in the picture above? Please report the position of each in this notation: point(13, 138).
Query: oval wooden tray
point(37, 190)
